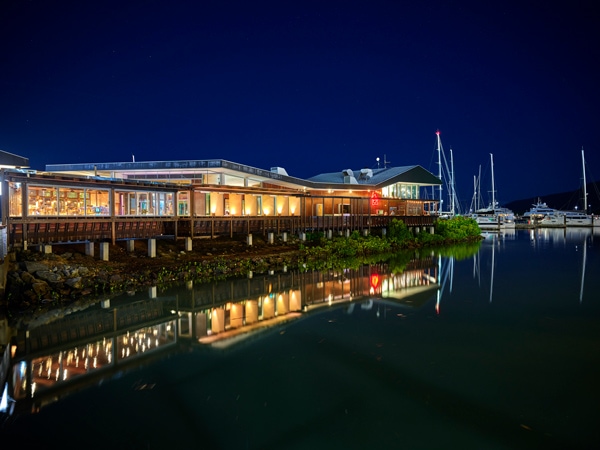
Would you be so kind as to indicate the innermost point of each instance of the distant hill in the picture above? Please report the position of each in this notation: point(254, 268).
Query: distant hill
point(564, 200)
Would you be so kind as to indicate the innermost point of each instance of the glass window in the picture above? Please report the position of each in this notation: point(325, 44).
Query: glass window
point(15, 199)
point(161, 204)
point(253, 183)
point(71, 202)
point(42, 201)
point(183, 207)
point(212, 178)
point(142, 200)
point(97, 202)
point(230, 180)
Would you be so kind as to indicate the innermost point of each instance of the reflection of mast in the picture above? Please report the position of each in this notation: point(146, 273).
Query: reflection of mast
point(492, 279)
point(476, 267)
point(583, 270)
point(443, 274)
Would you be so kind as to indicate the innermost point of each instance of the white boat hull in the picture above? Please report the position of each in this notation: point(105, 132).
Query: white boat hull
point(552, 221)
point(579, 221)
point(488, 223)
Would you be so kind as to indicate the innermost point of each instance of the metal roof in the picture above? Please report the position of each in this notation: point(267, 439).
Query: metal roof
point(10, 160)
point(190, 169)
point(381, 177)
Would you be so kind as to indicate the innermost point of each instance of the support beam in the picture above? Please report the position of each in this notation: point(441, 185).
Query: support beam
point(152, 248)
point(104, 251)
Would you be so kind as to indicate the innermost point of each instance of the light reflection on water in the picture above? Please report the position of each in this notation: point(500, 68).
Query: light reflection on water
point(492, 350)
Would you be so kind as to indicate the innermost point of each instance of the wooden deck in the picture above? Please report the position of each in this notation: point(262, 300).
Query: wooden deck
point(76, 230)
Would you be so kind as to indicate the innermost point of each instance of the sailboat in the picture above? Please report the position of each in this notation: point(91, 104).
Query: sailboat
point(494, 217)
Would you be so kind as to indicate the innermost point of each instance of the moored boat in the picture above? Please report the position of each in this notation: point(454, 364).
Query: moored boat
point(556, 219)
point(494, 217)
point(577, 219)
point(539, 210)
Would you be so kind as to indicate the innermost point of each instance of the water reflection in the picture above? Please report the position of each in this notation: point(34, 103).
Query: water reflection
point(49, 361)
point(475, 342)
point(544, 237)
point(581, 238)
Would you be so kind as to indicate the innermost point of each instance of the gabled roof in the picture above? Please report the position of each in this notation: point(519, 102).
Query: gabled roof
point(378, 178)
point(11, 160)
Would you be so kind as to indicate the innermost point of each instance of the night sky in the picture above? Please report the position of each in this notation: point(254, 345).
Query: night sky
point(309, 86)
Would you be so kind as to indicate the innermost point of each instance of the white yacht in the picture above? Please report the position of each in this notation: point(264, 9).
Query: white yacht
point(552, 220)
point(493, 218)
point(539, 210)
point(578, 219)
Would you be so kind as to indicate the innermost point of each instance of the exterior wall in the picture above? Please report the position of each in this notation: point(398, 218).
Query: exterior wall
point(251, 205)
point(201, 204)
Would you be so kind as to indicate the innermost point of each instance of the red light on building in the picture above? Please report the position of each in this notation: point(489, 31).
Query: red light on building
point(375, 281)
point(374, 198)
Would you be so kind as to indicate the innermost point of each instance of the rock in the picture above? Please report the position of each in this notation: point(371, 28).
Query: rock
point(35, 266)
point(116, 278)
point(49, 276)
point(75, 283)
point(27, 278)
point(41, 289)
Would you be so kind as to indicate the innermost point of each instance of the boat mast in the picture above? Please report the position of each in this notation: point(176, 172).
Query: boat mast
point(478, 204)
point(453, 195)
point(473, 207)
point(439, 151)
point(585, 205)
point(493, 187)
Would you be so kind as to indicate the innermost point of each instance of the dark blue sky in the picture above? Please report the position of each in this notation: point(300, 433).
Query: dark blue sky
point(309, 86)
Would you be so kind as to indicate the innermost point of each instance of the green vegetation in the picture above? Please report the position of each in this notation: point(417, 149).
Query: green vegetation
point(320, 252)
point(458, 237)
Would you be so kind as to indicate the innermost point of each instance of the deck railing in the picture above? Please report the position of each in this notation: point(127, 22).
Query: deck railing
point(70, 230)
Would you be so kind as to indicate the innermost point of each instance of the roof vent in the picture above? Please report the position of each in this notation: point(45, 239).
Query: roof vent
point(279, 170)
point(365, 174)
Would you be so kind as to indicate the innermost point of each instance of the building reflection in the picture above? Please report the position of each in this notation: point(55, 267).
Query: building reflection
point(77, 350)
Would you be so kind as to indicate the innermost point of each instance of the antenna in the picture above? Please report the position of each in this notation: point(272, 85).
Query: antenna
point(385, 161)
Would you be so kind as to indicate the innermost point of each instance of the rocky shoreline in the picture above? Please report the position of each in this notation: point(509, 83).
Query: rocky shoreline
point(37, 282)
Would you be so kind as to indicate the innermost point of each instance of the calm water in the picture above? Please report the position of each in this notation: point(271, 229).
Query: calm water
point(504, 355)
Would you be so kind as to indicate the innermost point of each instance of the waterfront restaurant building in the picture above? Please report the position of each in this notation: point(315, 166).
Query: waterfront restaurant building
point(204, 198)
